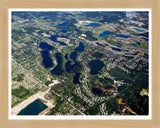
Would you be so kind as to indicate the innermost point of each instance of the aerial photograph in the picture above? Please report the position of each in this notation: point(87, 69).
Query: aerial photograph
point(79, 63)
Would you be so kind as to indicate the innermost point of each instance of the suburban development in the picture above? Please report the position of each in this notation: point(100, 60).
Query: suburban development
point(80, 63)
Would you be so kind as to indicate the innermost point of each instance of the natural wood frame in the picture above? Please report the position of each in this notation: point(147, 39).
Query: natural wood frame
point(6, 4)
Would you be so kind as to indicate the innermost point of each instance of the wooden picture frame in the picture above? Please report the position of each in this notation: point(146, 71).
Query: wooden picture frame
point(4, 39)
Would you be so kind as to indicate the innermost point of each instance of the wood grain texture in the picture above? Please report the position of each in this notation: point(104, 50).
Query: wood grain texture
point(6, 4)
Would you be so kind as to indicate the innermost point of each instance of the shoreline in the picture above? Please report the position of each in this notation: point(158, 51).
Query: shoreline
point(39, 95)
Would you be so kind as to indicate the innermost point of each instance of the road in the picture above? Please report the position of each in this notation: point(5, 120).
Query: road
point(31, 77)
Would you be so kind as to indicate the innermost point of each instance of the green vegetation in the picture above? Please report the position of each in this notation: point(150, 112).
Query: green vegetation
point(90, 36)
point(130, 85)
point(59, 102)
point(131, 93)
point(116, 43)
point(48, 82)
point(20, 77)
point(17, 34)
point(58, 87)
point(120, 74)
point(112, 106)
point(21, 92)
point(98, 55)
point(69, 88)
point(78, 100)
point(93, 110)
point(106, 81)
point(30, 30)
point(145, 46)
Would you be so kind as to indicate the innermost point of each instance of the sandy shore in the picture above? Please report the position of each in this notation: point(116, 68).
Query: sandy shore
point(132, 27)
point(39, 95)
point(54, 82)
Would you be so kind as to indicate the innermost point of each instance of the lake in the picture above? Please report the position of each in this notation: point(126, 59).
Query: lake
point(54, 38)
point(80, 48)
point(104, 34)
point(93, 25)
point(33, 108)
point(133, 44)
point(76, 78)
point(123, 36)
point(45, 46)
point(64, 24)
point(76, 66)
point(132, 13)
point(72, 67)
point(73, 56)
point(116, 49)
point(144, 34)
point(58, 69)
point(146, 56)
point(46, 59)
point(138, 29)
point(97, 91)
point(64, 27)
point(68, 65)
point(138, 43)
point(64, 31)
point(126, 19)
point(95, 66)
point(131, 54)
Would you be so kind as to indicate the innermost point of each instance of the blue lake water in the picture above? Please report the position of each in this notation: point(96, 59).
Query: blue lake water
point(99, 44)
point(47, 61)
point(135, 53)
point(145, 39)
point(116, 49)
point(58, 69)
point(126, 50)
point(33, 108)
point(45, 46)
point(63, 24)
point(104, 34)
point(123, 36)
point(131, 54)
point(73, 56)
point(76, 78)
point(126, 19)
point(64, 31)
point(97, 91)
point(54, 38)
point(95, 66)
point(80, 48)
point(145, 56)
point(68, 66)
point(64, 27)
point(144, 34)
point(93, 25)
point(138, 43)
point(138, 30)
point(132, 13)
point(133, 44)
